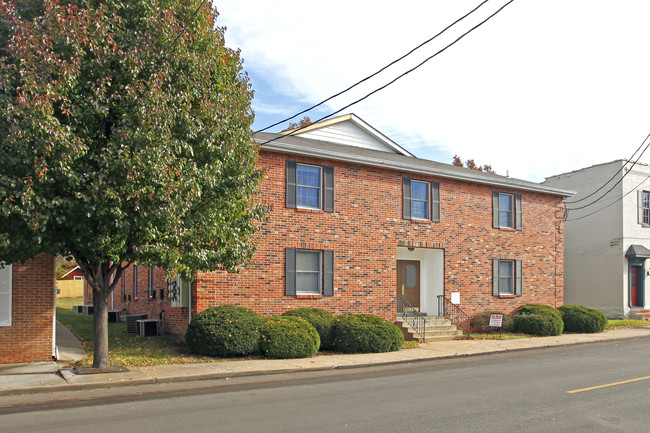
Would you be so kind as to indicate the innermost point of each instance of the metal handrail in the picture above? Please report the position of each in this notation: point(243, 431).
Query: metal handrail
point(456, 316)
point(413, 317)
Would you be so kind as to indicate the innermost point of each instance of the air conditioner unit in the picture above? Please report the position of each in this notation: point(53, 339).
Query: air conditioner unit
point(147, 327)
point(131, 322)
point(88, 309)
point(113, 316)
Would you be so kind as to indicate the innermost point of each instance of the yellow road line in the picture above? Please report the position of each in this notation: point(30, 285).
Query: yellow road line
point(608, 385)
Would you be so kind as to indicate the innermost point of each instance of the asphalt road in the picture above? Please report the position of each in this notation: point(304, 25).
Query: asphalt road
point(547, 390)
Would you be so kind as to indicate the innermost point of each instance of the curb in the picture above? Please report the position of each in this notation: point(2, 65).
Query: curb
point(67, 386)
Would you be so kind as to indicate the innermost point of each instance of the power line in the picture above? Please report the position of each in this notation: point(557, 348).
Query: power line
point(378, 72)
point(619, 181)
point(398, 77)
point(172, 45)
point(611, 204)
point(613, 176)
point(183, 29)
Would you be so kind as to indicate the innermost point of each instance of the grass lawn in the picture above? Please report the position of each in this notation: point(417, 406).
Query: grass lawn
point(125, 349)
point(611, 324)
point(129, 350)
point(626, 323)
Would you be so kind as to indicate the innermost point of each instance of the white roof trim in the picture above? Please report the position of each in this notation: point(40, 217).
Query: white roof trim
point(358, 122)
point(70, 271)
point(413, 166)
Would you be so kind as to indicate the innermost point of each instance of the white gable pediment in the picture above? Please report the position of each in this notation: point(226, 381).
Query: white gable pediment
point(349, 130)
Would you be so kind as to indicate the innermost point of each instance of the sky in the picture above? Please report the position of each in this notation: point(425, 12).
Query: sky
point(542, 88)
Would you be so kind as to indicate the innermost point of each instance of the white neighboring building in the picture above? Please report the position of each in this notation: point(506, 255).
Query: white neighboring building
point(607, 243)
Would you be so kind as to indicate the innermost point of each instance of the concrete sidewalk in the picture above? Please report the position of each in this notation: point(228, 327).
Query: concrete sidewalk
point(52, 376)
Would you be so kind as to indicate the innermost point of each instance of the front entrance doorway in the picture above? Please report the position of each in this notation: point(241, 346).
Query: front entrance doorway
point(636, 294)
point(408, 282)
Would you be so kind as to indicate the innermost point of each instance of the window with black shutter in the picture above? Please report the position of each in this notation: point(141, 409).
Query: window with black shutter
point(309, 186)
point(506, 210)
point(506, 277)
point(420, 200)
point(309, 272)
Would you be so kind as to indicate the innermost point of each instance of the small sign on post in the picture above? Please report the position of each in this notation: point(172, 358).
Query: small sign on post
point(496, 321)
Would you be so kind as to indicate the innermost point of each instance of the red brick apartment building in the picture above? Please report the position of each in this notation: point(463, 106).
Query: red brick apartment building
point(27, 297)
point(356, 222)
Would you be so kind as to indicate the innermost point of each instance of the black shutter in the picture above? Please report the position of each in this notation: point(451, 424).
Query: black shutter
point(329, 189)
point(518, 277)
point(518, 223)
point(291, 184)
point(406, 198)
point(328, 273)
point(290, 272)
point(495, 277)
point(495, 209)
point(435, 202)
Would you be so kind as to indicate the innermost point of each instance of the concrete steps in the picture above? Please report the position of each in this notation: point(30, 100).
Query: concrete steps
point(643, 314)
point(437, 329)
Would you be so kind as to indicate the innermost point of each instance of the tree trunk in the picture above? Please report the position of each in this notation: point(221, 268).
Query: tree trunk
point(100, 310)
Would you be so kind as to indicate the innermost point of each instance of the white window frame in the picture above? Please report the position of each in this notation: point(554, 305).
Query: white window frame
point(510, 211)
point(510, 290)
point(6, 294)
point(427, 201)
point(319, 188)
point(645, 207)
point(319, 289)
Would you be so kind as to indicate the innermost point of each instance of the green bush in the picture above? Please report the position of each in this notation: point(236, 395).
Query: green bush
point(537, 319)
point(365, 333)
point(481, 322)
point(225, 330)
point(582, 319)
point(536, 309)
point(288, 337)
point(320, 319)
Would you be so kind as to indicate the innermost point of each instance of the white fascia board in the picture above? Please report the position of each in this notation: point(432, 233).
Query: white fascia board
point(69, 272)
point(379, 136)
point(358, 122)
point(413, 168)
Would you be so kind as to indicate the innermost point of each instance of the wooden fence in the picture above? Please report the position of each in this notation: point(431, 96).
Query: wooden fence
point(70, 288)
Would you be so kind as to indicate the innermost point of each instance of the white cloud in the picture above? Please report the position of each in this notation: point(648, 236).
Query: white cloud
point(546, 86)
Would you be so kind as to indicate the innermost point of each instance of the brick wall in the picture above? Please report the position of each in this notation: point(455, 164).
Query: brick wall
point(29, 338)
point(175, 319)
point(367, 227)
point(364, 231)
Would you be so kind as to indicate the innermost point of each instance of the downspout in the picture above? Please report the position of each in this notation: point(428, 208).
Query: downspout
point(55, 349)
point(189, 303)
point(559, 223)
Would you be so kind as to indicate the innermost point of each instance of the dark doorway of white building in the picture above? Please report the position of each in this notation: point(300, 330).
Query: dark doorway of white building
point(636, 286)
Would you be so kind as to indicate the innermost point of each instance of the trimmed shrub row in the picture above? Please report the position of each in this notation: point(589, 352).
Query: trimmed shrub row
point(318, 318)
point(365, 333)
point(288, 337)
point(582, 319)
point(234, 331)
point(544, 320)
point(225, 330)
